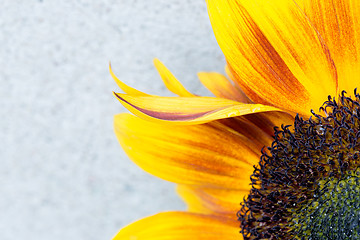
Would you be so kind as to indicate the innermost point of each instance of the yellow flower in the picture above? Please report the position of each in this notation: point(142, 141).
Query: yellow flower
point(284, 58)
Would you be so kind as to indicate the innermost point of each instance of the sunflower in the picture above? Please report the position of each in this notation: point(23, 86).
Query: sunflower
point(291, 64)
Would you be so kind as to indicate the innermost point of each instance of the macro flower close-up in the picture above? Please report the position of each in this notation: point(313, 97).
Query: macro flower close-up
point(275, 153)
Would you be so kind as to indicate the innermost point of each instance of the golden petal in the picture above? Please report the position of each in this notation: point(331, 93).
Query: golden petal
point(180, 226)
point(187, 110)
point(203, 155)
point(274, 52)
point(170, 80)
point(243, 127)
point(222, 87)
point(338, 23)
point(127, 89)
point(267, 121)
point(219, 201)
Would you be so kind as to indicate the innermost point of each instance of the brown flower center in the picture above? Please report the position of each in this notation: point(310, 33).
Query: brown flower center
point(306, 184)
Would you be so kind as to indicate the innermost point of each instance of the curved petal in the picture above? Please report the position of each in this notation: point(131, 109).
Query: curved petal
point(187, 110)
point(243, 127)
point(170, 80)
point(267, 121)
point(203, 155)
point(124, 87)
point(338, 23)
point(180, 226)
point(221, 87)
point(274, 52)
point(223, 202)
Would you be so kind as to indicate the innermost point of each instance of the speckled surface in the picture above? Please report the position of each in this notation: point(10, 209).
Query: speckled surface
point(63, 174)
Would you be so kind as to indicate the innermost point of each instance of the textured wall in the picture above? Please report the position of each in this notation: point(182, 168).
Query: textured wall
point(63, 174)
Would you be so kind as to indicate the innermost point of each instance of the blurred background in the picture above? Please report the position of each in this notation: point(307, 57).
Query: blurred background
point(63, 174)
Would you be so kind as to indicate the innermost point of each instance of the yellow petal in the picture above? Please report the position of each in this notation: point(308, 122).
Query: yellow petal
point(224, 202)
point(202, 155)
point(124, 87)
point(187, 110)
point(267, 121)
point(242, 126)
point(180, 226)
point(338, 23)
point(170, 80)
point(274, 52)
point(221, 87)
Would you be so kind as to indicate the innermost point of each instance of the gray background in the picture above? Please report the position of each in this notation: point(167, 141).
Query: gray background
point(63, 174)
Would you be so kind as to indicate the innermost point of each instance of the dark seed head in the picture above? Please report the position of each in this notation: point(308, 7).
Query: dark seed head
point(306, 184)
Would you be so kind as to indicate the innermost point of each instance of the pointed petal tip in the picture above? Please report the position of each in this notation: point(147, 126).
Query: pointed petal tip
point(170, 80)
point(156, 61)
point(127, 89)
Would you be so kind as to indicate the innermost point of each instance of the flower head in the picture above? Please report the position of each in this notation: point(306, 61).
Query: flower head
point(285, 60)
point(307, 184)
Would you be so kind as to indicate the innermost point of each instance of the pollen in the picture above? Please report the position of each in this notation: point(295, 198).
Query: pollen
point(306, 185)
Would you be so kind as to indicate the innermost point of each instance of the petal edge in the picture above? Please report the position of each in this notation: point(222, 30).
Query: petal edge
point(187, 110)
